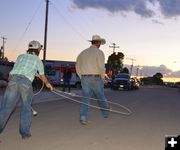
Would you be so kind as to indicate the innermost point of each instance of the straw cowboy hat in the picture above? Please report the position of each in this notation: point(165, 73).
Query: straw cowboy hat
point(98, 38)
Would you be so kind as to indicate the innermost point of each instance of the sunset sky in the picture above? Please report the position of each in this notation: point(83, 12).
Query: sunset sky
point(145, 30)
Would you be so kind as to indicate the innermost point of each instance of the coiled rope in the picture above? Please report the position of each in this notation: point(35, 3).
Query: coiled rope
point(69, 96)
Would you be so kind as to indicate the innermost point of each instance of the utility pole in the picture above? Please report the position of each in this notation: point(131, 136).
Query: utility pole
point(2, 48)
point(137, 70)
point(131, 64)
point(45, 31)
point(114, 47)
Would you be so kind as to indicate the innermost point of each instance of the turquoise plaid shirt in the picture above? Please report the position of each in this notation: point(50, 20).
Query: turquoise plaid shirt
point(28, 65)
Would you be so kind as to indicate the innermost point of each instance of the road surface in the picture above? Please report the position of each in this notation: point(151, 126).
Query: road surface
point(155, 114)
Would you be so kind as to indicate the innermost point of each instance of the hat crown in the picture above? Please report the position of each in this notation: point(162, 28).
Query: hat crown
point(34, 45)
point(96, 37)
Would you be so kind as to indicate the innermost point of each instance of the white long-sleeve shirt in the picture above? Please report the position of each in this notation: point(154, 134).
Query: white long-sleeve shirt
point(91, 62)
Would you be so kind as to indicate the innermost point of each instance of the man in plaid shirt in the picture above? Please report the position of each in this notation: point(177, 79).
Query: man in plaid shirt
point(20, 86)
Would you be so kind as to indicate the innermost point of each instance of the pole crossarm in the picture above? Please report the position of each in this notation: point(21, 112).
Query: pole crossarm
point(113, 46)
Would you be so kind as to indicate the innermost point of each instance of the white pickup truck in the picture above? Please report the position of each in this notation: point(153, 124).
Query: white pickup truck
point(55, 77)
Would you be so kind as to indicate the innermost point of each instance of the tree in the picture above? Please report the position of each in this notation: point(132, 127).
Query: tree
point(157, 78)
point(125, 70)
point(147, 80)
point(115, 62)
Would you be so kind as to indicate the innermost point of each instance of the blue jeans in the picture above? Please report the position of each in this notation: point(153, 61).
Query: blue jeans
point(18, 87)
point(92, 85)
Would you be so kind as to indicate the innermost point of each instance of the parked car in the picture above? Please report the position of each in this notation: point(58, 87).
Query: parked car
point(3, 83)
point(176, 85)
point(3, 80)
point(121, 81)
point(107, 81)
point(134, 84)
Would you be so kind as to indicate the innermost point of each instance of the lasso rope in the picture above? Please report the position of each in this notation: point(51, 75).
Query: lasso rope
point(39, 90)
point(69, 96)
point(60, 93)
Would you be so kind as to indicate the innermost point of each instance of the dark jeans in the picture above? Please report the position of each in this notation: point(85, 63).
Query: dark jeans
point(66, 84)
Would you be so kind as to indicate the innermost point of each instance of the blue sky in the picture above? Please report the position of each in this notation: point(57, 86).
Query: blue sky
point(145, 30)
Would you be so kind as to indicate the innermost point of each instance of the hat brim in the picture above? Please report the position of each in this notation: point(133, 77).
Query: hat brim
point(35, 48)
point(103, 41)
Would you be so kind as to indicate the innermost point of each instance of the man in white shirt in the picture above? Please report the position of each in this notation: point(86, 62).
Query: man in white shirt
point(90, 67)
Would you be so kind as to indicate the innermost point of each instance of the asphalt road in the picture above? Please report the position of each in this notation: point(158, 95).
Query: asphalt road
point(155, 114)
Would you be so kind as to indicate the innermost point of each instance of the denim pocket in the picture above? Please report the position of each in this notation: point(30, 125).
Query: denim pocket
point(25, 86)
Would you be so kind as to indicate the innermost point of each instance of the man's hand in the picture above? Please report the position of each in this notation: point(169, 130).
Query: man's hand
point(45, 80)
point(9, 77)
point(48, 85)
point(37, 75)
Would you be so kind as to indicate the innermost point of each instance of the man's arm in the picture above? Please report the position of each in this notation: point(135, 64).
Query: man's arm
point(78, 70)
point(101, 64)
point(41, 75)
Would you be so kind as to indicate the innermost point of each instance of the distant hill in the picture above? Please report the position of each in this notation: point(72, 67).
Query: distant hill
point(151, 70)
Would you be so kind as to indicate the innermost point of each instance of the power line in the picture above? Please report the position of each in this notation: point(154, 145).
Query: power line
point(28, 25)
point(72, 27)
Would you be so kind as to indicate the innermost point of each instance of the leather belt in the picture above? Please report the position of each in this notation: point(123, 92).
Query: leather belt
point(91, 75)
